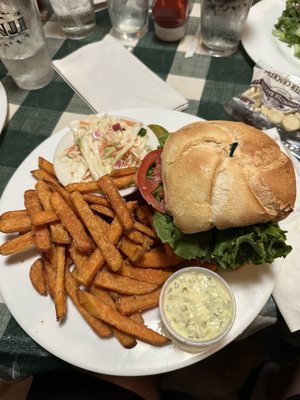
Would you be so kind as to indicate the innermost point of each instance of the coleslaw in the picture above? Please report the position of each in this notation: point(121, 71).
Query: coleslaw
point(102, 144)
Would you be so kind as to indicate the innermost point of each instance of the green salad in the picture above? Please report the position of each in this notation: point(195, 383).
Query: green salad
point(287, 28)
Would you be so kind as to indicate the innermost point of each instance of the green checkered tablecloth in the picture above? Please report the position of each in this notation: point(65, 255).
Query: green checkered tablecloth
point(33, 116)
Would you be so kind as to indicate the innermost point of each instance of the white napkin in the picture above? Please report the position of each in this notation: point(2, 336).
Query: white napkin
point(286, 292)
point(107, 76)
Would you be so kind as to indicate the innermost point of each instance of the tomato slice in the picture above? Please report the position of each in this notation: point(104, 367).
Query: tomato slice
point(146, 184)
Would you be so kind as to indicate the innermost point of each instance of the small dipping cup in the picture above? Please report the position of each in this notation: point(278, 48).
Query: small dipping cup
point(197, 308)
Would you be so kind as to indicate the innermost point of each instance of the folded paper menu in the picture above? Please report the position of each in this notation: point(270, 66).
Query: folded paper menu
point(286, 291)
point(108, 77)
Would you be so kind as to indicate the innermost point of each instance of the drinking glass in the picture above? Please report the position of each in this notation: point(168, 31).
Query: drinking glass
point(222, 22)
point(23, 48)
point(76, 18)
point(129, 18)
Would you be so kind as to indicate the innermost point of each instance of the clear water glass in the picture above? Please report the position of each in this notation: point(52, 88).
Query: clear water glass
point(23, 47)
point(76, 18)
point(129, 18)
point(222, 22)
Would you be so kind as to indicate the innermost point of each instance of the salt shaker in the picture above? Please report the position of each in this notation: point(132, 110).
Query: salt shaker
point(170, 17)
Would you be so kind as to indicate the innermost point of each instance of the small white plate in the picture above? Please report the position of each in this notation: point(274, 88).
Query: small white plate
point(63, 174)
point(3, 107)
point(261, 45)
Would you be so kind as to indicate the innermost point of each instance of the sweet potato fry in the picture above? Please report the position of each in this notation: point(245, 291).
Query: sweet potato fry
point(102, 223)
point(126, 341)
point(44, 192)
point(46, 166)
point(140, 238)
point(96, 199)
point(44, 217)
point(78, 257)
point(37, 277)
point(131, 304)
point(99, 327)
point(42, 175)
point(110, 253)
point(72, 223)
point(50, 277)
point(42, 236)
point(56, 186)
point(17, 244)
point(124, 181)
point(117, 202)
point(158, 258)
point(82, 187)
point(15, 224)
point(58, 232)
point(137, 317)
point(103, 295)
point(144, 229)
point(123, 284)
point(103, 210)
point(117, 173)
point(100, 310)
point(132, 250)
point(115, 230)
point(92, 186)
point(152, 275)
point(90, 267)
point(60, 287)
point(13, 214)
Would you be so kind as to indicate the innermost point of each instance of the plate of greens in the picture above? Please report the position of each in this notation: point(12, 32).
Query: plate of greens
point(262, 37)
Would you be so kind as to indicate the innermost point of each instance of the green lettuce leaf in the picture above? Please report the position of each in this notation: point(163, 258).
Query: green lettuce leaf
point(228, 248)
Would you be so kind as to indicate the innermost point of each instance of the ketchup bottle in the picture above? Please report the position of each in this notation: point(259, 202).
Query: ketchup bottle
point(170, 18)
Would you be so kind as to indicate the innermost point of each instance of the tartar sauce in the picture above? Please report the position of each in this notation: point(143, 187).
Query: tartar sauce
point(197, 305)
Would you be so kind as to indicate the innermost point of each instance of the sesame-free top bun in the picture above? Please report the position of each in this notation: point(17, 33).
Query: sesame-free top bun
point(209, 184)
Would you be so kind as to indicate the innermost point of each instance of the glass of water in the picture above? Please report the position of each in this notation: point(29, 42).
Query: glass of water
point(129, 18)
point(76, 18)
point(222, 22)
point(23, 48)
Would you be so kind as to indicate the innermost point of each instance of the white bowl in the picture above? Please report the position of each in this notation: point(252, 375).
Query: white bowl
point(197, 307)
point(61, 169)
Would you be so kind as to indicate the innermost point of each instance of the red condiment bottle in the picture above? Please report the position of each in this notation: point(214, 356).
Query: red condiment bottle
point(170, 18)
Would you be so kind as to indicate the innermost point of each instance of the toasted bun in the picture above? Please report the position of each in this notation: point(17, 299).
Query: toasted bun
point(206, 187)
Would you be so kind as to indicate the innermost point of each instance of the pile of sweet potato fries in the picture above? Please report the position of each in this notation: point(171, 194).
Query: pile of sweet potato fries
point(96, 248)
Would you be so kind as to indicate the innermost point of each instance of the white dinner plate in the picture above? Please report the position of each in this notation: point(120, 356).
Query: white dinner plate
point(3, 107)
point(263, 47)
point(67, 140)
point(73, 340)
